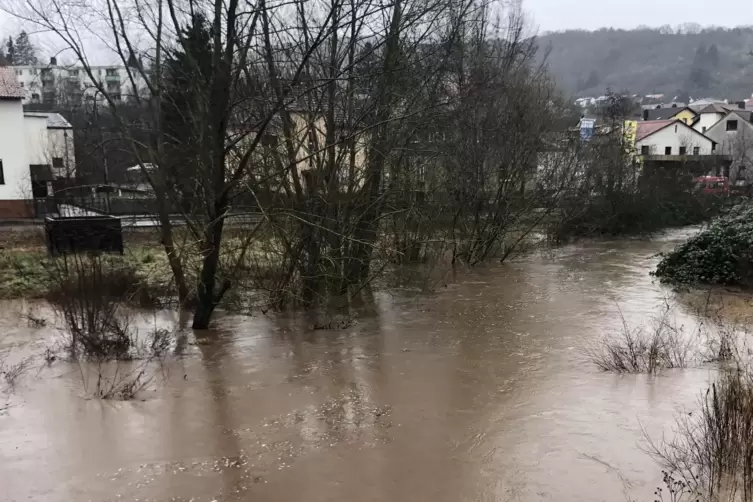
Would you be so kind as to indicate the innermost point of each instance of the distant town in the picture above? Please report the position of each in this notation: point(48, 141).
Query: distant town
point(711, 132)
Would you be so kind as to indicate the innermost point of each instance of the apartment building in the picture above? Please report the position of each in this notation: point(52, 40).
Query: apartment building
point(72, 84)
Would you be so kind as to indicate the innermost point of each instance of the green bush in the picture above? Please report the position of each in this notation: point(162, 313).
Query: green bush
point(721, 254)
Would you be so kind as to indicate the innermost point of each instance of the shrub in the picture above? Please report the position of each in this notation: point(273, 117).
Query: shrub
point(638, 350)
point(721, 254)
point(711, 449)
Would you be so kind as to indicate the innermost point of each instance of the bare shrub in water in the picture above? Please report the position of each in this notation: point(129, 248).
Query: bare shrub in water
point(712, 448)
point(10, 373)
point(87, 293)
point(643, 350)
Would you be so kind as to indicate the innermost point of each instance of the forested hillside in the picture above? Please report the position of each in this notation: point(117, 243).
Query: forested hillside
point(684, 61)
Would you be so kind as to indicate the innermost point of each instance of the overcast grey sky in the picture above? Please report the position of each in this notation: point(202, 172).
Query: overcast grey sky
point(551, 15)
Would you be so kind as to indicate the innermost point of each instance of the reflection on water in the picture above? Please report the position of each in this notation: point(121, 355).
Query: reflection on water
point(478, 392)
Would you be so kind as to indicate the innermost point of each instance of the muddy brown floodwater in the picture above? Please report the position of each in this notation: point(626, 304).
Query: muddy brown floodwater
point(476, 393)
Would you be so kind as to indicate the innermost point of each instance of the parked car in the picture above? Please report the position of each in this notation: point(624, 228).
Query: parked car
point(717, 185)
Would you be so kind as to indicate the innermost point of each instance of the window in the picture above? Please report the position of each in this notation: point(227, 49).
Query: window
point(111, 72)
point(645, 149)
point(35, 96)
point(57, 162)
point(683, 150)
point(732, 125)
point(667, 150)
point(21, 84)
point(73, 73)
point(2, 174)
point(696, 150)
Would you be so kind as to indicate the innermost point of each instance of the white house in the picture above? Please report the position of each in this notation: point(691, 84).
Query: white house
point(55, 84)
point(708, 116)
point(671, 137)
point(15, 179)
point(50, 139)
point(734, 135)
point(30, 144)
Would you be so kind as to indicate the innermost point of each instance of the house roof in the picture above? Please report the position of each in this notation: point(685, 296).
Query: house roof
point(54, 120)
point(9, 86)
point(744, 114)
point(649, 127)
point(664, 113)
point(714, 108)
point(706, 101)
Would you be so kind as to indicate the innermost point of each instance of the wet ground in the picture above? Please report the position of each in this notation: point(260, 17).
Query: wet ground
point(478, 392)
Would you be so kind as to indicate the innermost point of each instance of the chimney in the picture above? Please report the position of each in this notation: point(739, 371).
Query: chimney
point(53, 61)
point(645, 114)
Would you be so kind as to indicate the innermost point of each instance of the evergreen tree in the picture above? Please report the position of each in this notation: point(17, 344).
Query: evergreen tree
point(187, 74)
point(24, 51)
point(10, 51)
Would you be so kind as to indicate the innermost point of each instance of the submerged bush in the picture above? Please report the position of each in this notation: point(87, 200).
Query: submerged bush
point(711, 449)
point(721, 254)
point(662, 345)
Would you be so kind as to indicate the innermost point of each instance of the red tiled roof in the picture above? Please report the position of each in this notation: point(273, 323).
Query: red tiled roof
point(9, 86)
point(649, 127)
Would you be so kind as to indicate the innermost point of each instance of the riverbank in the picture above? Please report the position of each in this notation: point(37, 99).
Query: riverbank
point(476, 392)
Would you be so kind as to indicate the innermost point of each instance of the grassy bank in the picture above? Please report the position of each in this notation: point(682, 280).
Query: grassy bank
point(25, 273)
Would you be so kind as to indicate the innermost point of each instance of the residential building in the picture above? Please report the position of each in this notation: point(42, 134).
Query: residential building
point(671, 104)
point(15, 186)
point(71, 84)
point(734, 135)
point(708, 116)
point(671, 138)
point(29, 146)
point(50, 140)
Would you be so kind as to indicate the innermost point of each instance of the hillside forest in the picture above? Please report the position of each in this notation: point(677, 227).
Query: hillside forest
point(687, 61)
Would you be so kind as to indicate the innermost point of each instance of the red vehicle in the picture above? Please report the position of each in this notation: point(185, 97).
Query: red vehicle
point(716, 185)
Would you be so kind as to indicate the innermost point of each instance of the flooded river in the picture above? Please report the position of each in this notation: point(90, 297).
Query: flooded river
point(478, 392)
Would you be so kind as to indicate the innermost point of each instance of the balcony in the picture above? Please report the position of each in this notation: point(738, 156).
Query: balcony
point(47, 77)
point(112, 78)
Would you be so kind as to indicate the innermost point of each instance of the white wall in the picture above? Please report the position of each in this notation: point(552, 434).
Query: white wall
point(675, 135)
point(13, 152)
point(737, 144)
point(35, 129)
point(707, 120)
point(61, 145)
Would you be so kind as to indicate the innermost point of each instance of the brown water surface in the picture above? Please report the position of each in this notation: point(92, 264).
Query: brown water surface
point(476, 393)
